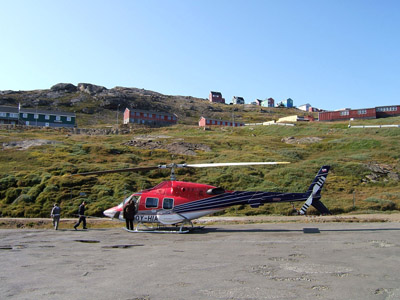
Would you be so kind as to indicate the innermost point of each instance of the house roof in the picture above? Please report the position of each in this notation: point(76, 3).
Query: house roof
point(216, 93)
point(46, 112)
point(9, 109)
point(150, 112)
point(220, 120)
point(14, 109)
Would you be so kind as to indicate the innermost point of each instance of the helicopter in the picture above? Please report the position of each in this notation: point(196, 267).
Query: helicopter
point(172, 204)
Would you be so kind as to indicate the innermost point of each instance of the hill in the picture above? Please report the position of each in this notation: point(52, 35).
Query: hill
point(36, 163)
point(97, 106)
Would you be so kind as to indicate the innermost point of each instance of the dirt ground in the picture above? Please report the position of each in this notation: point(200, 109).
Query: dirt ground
point(271, 260)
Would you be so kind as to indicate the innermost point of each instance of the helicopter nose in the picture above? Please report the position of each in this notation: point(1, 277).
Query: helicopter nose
point(111, 212)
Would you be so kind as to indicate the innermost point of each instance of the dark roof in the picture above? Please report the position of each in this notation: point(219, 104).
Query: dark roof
point(216, 93)
point(236, 122)
point(149, 112)
point(14, 109)
point(46, 112)
point(9, 109)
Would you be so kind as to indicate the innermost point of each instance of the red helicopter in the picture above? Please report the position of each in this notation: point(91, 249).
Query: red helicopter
point(177, 203)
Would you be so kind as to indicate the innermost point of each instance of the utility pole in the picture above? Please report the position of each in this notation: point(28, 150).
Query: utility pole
point(118, 113)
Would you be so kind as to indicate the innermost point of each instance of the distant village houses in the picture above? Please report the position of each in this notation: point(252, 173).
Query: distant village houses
point(203, 122)
point(285, 103)
point(216, 97)
point(135, 116)
point(305, 107)
point(270, 102)
point(36, 117)
point(237, 100)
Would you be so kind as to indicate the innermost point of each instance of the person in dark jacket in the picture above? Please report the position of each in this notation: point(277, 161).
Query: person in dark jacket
point(129, 213)
point(55, 214)
point(82, 217)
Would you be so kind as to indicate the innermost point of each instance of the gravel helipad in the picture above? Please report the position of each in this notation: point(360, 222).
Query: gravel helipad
point(255, 261)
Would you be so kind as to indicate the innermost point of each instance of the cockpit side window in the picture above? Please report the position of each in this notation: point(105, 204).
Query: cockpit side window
point(151, 202)
point(168, 203)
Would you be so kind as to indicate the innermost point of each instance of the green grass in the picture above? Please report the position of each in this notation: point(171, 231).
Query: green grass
point(32, 180)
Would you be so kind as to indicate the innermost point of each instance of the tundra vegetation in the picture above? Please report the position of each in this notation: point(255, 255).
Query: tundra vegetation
point(364, 177)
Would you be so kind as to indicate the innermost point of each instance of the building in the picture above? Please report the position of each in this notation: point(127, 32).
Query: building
point(135, 116)
point(288, 103)
point(305, 107)
point(203, 122)
point(36, 117)
point(285, 103)
point(237, 100)
point(266, 103)
point(9, 115)
point(216, 97)
point(347, 114)
point(387, 111)
point(366, 113)
point(295, 118)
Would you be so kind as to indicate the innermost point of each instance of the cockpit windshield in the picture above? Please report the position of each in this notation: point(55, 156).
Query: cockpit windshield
point(131, 197)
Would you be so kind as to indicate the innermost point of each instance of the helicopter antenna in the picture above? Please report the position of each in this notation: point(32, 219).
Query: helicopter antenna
point(173, 177)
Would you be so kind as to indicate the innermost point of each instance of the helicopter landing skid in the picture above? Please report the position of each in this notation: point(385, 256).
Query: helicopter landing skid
point(165, 229)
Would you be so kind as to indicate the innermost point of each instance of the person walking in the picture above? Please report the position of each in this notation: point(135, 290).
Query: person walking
point(82, 217)
point(129, 213)
point(55, 214)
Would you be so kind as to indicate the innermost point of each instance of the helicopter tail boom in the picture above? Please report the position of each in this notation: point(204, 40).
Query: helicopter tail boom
point(314, 192)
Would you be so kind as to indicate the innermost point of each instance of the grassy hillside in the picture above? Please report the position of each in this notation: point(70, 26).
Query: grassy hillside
point(365, 164)
point(99, 107)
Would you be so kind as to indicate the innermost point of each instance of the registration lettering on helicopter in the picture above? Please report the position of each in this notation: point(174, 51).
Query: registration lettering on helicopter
point(146, 218)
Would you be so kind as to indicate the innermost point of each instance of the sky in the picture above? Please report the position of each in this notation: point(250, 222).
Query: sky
point(330, 53)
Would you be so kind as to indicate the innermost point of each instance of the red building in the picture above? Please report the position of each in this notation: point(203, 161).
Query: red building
point(347, 114)
point(271, 102)
point(136, 116)
point(366, 113)
point(216, 97)
point(203, 122)
point(387, 111)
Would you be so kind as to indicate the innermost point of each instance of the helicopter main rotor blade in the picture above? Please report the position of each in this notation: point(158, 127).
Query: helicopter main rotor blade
point(116, 171)
point(210, 165)
point(172, 166)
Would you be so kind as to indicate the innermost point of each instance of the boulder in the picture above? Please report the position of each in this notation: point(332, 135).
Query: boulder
point(64, 87)
point(90, 89)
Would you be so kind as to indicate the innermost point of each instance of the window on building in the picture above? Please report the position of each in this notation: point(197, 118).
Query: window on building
point(2, 114)
point(36, 116)
point(168, 203)
point(344, 113)
point(24, 115)
point(27, 123)
point(47, 124)
point(14, 115)
point(362, 112)
point(151, 202)
point(47, 117)
point(58, 118)
point(68, 119)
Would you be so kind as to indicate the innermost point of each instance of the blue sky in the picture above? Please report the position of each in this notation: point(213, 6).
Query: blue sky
point(329, 53)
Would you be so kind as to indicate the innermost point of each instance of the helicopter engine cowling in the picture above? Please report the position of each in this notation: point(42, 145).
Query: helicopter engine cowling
point(169, 218)
point(216, 191)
